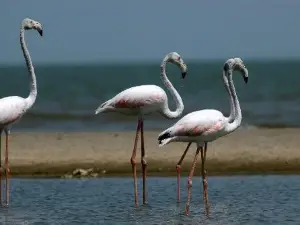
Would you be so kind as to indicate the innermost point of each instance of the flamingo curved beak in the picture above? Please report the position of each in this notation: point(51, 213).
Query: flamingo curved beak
point(183, 74)
point(40, 32)
point(245, 74)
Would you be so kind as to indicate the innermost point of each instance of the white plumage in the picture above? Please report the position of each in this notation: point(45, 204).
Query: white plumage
point(142, 99)
point(13, 108)
point(205, 126)
point(145, 99)
point(199, 127)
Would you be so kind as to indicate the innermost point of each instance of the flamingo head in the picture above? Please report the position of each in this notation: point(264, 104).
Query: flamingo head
point(175, 58)
point(29, 24)
point(238, 65)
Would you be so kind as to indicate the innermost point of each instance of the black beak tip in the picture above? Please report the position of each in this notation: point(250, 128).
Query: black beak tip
point(246, 79)
point(40, 32)
point(183, 75)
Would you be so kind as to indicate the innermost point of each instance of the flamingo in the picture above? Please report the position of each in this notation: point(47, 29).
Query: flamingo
point(230, 119)
point(143, 100)
point(12, 108)
point(206, 125)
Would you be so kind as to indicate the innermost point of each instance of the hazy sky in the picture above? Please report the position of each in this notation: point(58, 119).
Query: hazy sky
point(130, 30)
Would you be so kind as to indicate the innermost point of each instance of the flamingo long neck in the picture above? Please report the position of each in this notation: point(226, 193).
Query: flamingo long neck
point(236, 105)
point(232, 109)
point(33, 86)
point(176, 97)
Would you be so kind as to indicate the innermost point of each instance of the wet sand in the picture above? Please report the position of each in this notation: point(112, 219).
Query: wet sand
point(247, 151)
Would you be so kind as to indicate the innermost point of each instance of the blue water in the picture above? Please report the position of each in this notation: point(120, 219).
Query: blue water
point(69, 94)
point(234, 200)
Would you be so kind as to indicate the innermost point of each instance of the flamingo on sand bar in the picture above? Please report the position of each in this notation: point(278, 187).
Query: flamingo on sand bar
point(12, 108)
point(145, 99)
point(207, 125)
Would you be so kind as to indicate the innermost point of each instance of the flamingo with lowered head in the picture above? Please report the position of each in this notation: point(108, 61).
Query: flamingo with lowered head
point(145, 99)
point(12, 108)
point(207, 125)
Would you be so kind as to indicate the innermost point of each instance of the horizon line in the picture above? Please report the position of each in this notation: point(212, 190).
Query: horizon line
point(143, 62)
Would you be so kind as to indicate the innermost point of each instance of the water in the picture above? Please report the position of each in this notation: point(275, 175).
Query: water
point(69, 95)
point(235, 200)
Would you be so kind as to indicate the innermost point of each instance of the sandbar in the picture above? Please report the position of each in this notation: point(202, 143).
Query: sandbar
point(246, 151)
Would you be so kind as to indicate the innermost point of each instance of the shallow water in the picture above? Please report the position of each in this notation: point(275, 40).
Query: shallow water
point(234, 200)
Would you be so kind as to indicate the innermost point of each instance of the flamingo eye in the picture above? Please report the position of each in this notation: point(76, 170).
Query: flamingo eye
point(179, 58)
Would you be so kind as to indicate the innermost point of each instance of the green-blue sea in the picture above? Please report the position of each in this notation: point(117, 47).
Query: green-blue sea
point(69, 94)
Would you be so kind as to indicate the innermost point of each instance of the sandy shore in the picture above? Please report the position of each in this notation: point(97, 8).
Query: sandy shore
point(245, 151)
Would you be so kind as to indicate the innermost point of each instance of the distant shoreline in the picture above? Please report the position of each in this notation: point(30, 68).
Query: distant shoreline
point(246, 151)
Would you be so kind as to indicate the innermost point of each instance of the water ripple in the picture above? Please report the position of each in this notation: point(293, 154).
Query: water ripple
point(234, 200)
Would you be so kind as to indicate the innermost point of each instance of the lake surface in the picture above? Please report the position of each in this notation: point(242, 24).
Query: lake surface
point(234, 200)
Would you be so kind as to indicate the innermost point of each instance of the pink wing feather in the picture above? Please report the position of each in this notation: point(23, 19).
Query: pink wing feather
point(198, 123)
point(137, 97)
point(196, 130)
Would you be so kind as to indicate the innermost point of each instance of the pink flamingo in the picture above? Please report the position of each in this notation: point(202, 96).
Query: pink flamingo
point(206, 125)
point(145, 99)
point(12, 108)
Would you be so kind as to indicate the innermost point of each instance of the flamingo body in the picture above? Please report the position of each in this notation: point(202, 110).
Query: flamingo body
point(201, 126)
point(138, 100)
point(12, 108)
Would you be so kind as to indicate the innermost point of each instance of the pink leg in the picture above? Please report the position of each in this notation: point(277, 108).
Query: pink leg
point(143, 161)
point(204, 181)
point(187, 209)
point(1, 171)
point(178, 168)
point(7, 171)
point(133, 162)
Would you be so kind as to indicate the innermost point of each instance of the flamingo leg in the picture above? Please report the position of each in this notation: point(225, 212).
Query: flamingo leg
point(187, 209)
point(204, 180)
point(143, 161)
point(1, 171)
point(133, 162)
point(7, 170)
point(178, 168)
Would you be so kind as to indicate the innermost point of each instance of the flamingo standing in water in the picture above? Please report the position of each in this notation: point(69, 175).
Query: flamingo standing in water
point(12, 108)
point(207, 125)
point(145, 99)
